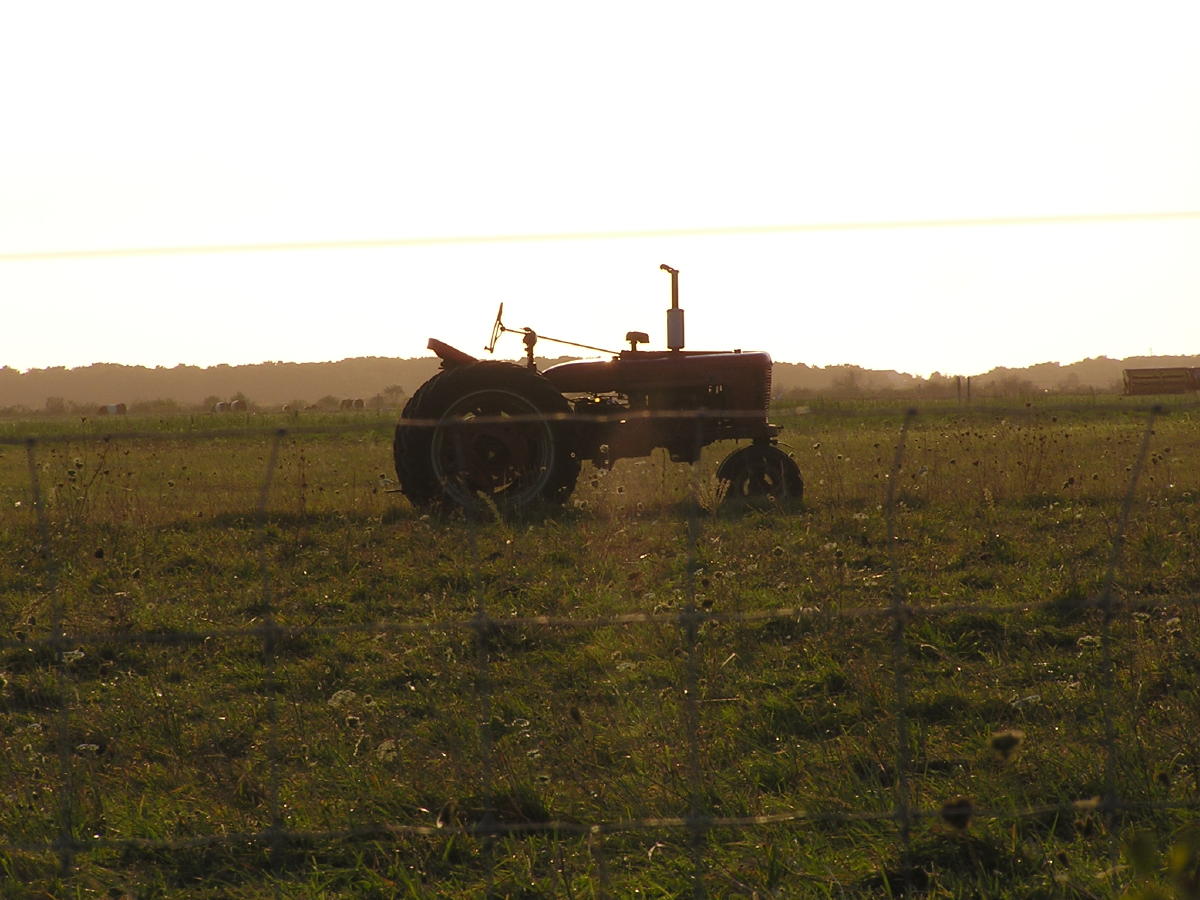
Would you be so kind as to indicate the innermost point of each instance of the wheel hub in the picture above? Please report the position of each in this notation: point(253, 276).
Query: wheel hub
point(492, 442)
point(492, 457)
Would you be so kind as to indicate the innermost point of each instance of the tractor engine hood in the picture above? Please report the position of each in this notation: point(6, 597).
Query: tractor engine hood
point(644, 371)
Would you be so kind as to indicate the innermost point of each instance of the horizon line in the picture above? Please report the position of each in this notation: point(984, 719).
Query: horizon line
point(520, 360)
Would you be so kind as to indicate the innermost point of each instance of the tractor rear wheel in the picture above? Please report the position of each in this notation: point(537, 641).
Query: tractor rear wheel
point(414, 480)
point(487, 434)
point(759, 475)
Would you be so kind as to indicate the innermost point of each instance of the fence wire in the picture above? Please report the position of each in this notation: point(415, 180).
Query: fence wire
point(364, 422)
point(697, 820)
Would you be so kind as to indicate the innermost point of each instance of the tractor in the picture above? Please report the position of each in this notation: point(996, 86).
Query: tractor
point(485, 433)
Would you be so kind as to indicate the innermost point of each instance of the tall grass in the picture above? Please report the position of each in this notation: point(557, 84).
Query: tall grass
point(174, 724)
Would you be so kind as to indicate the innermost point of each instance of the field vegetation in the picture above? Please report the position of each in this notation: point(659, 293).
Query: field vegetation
point(236, 664)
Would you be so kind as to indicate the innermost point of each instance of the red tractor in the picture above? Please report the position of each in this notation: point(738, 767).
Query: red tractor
point(486, 433)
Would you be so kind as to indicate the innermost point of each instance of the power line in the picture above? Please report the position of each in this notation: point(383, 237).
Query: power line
point(627, 234)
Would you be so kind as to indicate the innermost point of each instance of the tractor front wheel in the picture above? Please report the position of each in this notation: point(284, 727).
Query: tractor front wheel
point(487, 434)
point(759, 475)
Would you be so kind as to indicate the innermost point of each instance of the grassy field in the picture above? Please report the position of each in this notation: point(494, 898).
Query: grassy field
point(341, 697)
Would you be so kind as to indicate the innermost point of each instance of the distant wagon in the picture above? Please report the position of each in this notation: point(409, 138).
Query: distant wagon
point(1175, 380)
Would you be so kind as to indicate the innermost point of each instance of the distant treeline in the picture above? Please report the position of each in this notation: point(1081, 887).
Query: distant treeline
point(162, 389)
point(1098, 375)
point(384, 383)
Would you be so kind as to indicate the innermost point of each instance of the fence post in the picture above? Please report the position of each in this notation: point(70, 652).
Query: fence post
point(64, 843)
point(689, 620)
point(482, 628)
point(595, 842)
point(271, 633)
point(1108, 607)
point(900, 612)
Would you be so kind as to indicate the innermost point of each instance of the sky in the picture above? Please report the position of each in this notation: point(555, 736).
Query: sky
point(926, 186)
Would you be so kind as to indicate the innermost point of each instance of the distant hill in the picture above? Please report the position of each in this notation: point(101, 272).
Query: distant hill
point(1100, 374)
point(383, 381)
point(267, 385)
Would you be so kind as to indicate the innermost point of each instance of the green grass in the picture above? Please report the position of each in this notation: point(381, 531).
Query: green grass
point(1005, 520)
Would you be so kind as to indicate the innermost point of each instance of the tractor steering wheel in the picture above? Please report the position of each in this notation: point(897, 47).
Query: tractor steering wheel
point(497, 330)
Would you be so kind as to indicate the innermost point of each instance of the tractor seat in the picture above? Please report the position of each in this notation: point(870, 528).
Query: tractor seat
point(636, 337)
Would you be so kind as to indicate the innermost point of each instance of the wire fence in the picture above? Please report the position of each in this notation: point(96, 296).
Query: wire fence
point(715, 231)
point(54, 642)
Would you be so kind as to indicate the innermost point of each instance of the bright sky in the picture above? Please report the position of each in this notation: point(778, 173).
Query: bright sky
point(136, 126)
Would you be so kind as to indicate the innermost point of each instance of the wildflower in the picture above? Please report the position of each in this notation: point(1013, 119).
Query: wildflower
point(957, 812)
point(1006, 743)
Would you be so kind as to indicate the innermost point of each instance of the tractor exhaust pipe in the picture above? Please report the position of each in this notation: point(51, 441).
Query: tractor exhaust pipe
point(674, 314)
